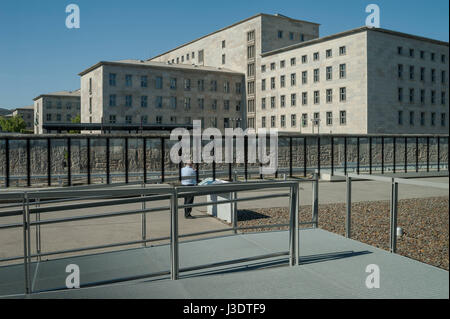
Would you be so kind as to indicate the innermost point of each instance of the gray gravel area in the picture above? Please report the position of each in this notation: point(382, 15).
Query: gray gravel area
point(425, 224)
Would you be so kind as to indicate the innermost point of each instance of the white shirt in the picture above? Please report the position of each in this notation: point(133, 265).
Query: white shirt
point(188, 172)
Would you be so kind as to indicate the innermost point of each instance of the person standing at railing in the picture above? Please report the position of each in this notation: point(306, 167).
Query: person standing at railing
point(188, 176)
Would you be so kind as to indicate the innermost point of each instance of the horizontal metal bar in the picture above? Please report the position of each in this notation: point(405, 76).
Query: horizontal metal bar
point(222, 230)
point(11, 196)
point(7, 226)
point(233, 187)
point(421, 183)
point(225, 201)
point(97, 216)
point(370, 177)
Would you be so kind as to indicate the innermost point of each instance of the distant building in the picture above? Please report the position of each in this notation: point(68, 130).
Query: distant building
point(139, 92)
point(59, 107)
point(27, 114)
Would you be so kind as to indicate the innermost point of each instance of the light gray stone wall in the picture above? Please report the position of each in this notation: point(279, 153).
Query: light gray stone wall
point(41, 110)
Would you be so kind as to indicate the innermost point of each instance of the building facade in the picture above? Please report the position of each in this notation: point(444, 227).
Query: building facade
point(55, 108)
point(27, 114)
point(362, 81)
point(144, 92)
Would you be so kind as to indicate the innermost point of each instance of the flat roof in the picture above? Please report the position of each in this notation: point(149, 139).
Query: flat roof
point(75, 93)
point(233, 25)
point(160, 65)
point(27, 108)
point(350, 32)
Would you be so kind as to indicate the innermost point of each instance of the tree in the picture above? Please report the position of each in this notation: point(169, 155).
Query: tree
point(14, 124)
point(76, 120)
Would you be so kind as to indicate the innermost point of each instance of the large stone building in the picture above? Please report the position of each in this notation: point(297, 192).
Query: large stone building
point(366, 80)
point(143, 92)
point(27, 114)
point(55, 108)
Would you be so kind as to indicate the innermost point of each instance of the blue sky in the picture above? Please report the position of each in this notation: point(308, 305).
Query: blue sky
point(38, 54)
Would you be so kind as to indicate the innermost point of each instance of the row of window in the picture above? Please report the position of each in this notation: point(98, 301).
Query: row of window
point(173, 102)
point(304, 59)
point(304, 98)
point(189, 56)
point(422, 118)
point(294, 36)
point(412, 75)
point(422, 54)
point(304, 77)
point(57, 117)
point(422, 96)
point(144, 119)
point(173, 83)
point(304, 120)
point(69, 105)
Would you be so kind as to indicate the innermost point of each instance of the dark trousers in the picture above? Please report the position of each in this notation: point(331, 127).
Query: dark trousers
point(188, 200)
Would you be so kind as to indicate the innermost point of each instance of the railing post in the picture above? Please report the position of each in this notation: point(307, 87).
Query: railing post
point(382, 155)
point(88, 141)
point(7, 177)
point(406, 155)
point(144, 158)
point(49, 162)
point(417, 154)
point(393, 216)
point(428, 153)
point(25, 244)
point(28, 163)
point(332, 155)
point(370, 155)
point(246, 157)
point(162, 159)
point(357, 154)
point(126, 161)
point(318, 155)
point(234, 216)
point(290, 156)
point(394, 146)
point(293, 228)
point(345, 155)
point(348, 219)
point(438, 154)
point(305, 163)
point(108, 164)
point(174, 237)
point(144, 218)
point(69, 162)
point(38, 231)
point(315, 200)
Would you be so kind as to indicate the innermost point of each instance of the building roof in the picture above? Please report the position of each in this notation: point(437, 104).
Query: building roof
point(26, 108)
point(75, 93)
point(233, 25)
point(350, 32)
point(161, 65)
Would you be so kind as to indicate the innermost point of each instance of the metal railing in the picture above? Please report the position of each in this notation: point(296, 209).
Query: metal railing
point(106, 196)
point(343, 152)
point(394, 183)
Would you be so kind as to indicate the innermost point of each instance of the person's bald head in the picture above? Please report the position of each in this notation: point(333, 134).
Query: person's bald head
point(188, 163)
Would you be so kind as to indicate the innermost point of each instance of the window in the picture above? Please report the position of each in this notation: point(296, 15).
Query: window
point(251, 87)
point(263, 68)
point(263, 103)
point(317, 118)
point(316, 97)
point(293, 61)
point(342, 94)
point(159, 82)
point(144, 80)
point(399, 50)
point(443, 77)
point(226, 105)
point(433, 119)
point(443, 119)
point(411, 53)
point(400, 94)
point(342, 71)
point(272, 66)
point(316, 56)
point(302, 37)
point(250, 36)
point(280, 34)
point(226, 122)
point(238, 87)
point(304, 77)
point(187, 103)
point(68, 118)
point(250, 122)
point(293, 120)
point(238, 106)
point(343, 117)
point(144, 119)
point(272, 102)
point(128, 119)
point(223, 44)
point(214, 105)
point(304, 59)
point(58, 117)
point(304, 98)
point(173, 102)
point(422, 96)
point(213, 85)
point(304, 120)
point(251, 69)
point(159, 102)
point(282, 64)
point(128, 80)
point(328, 53)
point(273, 121)
point(282, 81)
point(432, 56)
point(422, 74)
point(422, 118)
point(293, 79)
point(201, 103)
point(433, 97)
point(400, 118)
point(59, 105)
point(144, 100)
point(329, 73)
point(443, 98)
point(90, 85)
point(282, 100)
point(400, 71)
point(422, 54)
point(329, 118)
point(342, 50)
point(272, 83)
point(411, 72)
point(173, 83)
point(187, 84)
point(200, 56)
point(316, 75)
point(329, 95)
point(128, 100)
point(443, 58)
point(291, 35)
point(201, 85)
point(411, 95)
point(193, 55)
point(411, 118)
point(112, 100)
point(293, 99)
point(112, 119)
point(112, 79)
point(283, 120)
point(223, 58)
point(49, 117)
point(159, 119)
point(263, 84)
point(250, 51)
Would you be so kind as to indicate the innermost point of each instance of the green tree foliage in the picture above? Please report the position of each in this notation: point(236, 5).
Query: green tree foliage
point(14, 124)
point(76, 120)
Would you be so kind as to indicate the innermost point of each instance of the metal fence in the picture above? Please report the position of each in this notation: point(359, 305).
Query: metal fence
point(30, 203)
point(89, 159)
